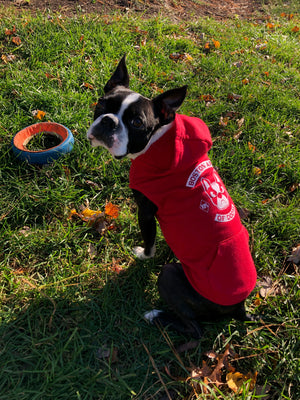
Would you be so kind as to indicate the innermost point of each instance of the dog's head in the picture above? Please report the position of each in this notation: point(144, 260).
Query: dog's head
point(125, 121)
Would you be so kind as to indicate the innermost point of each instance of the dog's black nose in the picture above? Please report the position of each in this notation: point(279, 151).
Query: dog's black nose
point(109, 124)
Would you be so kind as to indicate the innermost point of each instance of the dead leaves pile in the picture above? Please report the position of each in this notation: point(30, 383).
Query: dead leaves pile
point(101, 221)
point(218, 371)
point(217, 374)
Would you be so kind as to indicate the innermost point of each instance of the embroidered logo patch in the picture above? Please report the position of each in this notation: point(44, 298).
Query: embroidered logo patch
point(226, 217)
point(216, 191)
point(198, 171)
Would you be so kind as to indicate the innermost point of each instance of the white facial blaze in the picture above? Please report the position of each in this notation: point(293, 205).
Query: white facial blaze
point(120, 138)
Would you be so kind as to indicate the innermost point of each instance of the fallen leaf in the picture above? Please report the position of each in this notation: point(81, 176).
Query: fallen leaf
point(38, 114)
point(88, 86)
point(295, 29)
point(251, 147)
point(223, 121)
point(237, 64)
point(25, 231)
point(99, 220)
point(8, 58)
point(294, 187)
point(112, 210)
point(245, 81)
point(236, 380)
point(257, 300)
point(208, 98)
point(270, 25)
point(92, 252)
point(92, 184)
point(256, 171)
point(237, 135)
point(234, 97)
point(295, 256)
point(261, 46)
point(16, 40)
point(269, 288)
point(115, 267)
point(240, 122)
point(181, 56)
point(9, 32)
point(216, 43)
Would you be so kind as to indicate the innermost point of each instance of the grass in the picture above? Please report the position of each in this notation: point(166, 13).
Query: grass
point(71, 325)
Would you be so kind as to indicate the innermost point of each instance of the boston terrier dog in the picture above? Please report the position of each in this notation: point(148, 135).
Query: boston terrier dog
point(174, 181)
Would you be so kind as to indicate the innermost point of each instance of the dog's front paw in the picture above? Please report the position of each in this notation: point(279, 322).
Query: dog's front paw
point(139, 252)
point(151, 315)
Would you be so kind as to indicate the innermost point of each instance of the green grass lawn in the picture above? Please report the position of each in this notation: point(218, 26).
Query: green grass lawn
point(72, 300)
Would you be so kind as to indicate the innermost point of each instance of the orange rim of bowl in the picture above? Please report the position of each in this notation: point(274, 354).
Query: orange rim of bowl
point(22, 138)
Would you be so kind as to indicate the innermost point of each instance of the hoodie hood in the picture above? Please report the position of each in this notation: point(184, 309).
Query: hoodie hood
point(181, 146)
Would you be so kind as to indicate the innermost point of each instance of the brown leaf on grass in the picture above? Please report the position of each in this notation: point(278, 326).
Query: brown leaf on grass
point(87, 86)
point(251, 147)
point(180, 57)
point(92, 251)
point(256, 171)
point(112, 210)
point(25, 231)
point(223, 121)
point(236, 381)
point(208, 99)
point(8, 58)
point(295, 256)
point(38, 114)
point(234, 96)
point(9, 32)
point(213, 374)
point(216, 43)
point(268, 287)
point(92, 184)
point(294, 187)
point(99, 220)
point(16, 40)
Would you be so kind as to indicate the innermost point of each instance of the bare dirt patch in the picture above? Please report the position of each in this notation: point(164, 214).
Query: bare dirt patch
point(174, 9)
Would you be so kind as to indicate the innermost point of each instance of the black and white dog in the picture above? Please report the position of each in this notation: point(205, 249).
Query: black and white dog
point(173, 181)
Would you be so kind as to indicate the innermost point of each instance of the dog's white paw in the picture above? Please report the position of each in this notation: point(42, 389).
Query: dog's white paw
point(139, 252)
point(150, 315)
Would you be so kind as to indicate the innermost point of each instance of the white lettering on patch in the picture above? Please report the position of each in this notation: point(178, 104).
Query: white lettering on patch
point(198, 171)
point(226, 217)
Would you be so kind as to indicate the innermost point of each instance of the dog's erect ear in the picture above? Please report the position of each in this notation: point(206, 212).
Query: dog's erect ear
point(166, 104)
point(119, 78)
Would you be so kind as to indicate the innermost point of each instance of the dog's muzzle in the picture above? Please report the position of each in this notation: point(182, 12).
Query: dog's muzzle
point(104, 130)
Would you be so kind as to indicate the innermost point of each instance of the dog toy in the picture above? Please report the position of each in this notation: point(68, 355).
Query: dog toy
point(52, 129)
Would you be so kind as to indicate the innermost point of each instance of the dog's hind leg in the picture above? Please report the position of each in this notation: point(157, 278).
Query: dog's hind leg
point(177, 292)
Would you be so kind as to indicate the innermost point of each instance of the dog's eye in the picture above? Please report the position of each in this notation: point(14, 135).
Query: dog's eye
point(136, 122)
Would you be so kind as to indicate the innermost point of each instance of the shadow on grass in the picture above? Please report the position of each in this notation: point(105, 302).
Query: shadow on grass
point(89, 343)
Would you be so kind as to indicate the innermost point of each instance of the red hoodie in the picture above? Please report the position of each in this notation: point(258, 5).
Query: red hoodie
point(196, 214)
